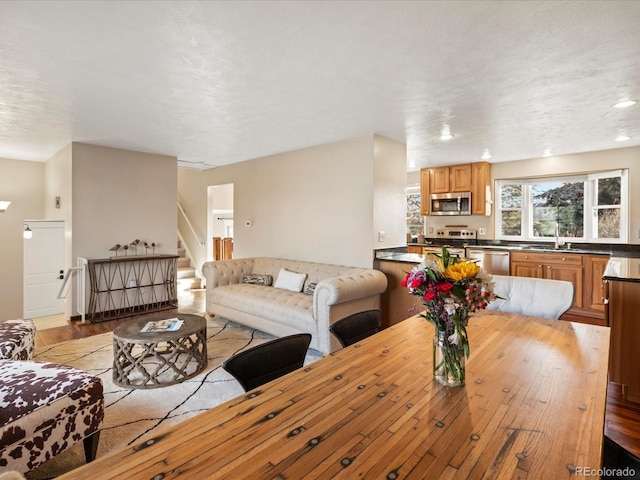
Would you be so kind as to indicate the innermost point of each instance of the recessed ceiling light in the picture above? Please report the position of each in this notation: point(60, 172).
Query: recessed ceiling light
point(547, 153)
point(622, 138)
point(445, 133)
point(486, 155)
point(625, 104)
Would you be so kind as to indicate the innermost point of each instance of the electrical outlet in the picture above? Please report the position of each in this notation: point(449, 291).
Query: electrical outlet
point(381, 236)
point(430, 229)
point(482, 231)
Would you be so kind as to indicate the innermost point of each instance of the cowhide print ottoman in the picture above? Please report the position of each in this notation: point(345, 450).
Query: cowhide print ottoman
point(17, 339)
point(44, 409)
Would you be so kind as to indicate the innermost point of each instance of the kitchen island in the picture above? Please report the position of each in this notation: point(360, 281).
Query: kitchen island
point(396, 304)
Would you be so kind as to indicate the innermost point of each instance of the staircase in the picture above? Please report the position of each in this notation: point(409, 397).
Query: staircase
point(187, 279)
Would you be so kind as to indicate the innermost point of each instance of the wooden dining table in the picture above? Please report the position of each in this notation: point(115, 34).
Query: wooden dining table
point(532, 407)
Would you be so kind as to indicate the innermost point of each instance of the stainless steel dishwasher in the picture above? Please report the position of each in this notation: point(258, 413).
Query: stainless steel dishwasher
point(495, 262)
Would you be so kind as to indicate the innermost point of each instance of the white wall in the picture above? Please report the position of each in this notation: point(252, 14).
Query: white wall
point(120, 196)
point(58, 174)
point(389, 195)
point(314, 204)
point(22, 183)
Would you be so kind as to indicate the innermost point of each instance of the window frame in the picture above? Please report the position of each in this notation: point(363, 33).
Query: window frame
point(590, 210)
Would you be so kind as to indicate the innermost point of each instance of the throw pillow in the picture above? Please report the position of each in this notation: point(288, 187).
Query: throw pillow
point(310, 288)
point(257, 279)
point(290, 280)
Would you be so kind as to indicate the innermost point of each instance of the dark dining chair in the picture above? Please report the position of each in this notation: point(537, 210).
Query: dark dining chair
point(265, 362)
point(356, 327)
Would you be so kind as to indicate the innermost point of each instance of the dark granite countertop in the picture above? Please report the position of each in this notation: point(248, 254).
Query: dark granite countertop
point(625, 269)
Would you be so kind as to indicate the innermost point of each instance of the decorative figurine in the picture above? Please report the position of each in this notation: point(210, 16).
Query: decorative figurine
point(115, 248)
point(135, 245)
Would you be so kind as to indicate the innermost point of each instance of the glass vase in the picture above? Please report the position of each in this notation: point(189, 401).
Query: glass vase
point(448, 361)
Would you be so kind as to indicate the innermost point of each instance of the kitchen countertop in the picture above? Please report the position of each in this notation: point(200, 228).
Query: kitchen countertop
point(623, 269)
point(595, 249)
point(399, 257)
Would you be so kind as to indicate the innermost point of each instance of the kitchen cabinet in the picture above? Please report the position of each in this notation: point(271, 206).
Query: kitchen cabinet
point(594, 267)
point(583, 271)
point(414, 249)
point(439, 180)
point(456, 178)
point(470, 177)
point(425, 192)
point(481, 188)
point(553, 266)
point(624, 353)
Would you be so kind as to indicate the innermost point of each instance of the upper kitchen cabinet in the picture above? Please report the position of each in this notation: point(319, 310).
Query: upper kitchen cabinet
point(481, 188)
point(470, 177)
point(425, 191)
point(450, 179)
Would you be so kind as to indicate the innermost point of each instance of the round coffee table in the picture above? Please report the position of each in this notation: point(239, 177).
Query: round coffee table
point(158, 359)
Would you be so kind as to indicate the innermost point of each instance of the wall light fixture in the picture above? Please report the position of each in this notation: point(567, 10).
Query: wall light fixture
point(4, 204)
point(28, 233)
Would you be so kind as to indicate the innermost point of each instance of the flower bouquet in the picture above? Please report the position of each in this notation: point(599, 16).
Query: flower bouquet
point(450, 290)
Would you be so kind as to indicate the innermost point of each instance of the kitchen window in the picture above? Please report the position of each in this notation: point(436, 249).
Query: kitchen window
point(415, 220)
point(581, 208)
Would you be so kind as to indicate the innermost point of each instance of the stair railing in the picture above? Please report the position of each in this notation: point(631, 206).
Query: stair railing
point(193, 230)
point(81, 266)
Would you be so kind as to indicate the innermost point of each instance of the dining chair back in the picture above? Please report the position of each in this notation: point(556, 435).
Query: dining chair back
point(268, 361)
point(539, 297)
point(356, 327)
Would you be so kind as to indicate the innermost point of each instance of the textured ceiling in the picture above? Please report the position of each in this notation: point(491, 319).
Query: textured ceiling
point(220, 82)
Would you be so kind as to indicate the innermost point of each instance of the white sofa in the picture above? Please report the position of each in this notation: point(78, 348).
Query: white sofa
point(339, 291)
point(539, 297)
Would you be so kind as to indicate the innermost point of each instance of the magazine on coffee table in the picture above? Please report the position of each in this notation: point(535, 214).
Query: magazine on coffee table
point(168, 325)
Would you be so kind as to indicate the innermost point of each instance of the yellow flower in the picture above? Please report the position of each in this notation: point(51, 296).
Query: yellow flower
point(460, 271)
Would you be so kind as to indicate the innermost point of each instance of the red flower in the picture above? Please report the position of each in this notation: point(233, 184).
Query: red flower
point(444, 287)
point(416, 283)
point(430, 295)
point(405, 281)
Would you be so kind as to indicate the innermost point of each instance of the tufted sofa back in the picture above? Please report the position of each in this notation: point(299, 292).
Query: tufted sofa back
point(315, 271)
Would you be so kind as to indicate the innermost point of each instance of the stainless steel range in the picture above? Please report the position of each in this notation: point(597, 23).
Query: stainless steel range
point(454, 239)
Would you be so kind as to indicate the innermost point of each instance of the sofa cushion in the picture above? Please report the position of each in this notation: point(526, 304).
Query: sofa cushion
point(257, 279)
point(274, 303)
point(310, 288)
point(288, 280)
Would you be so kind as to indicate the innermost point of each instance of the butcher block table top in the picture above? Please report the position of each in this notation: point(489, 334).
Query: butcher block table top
point(533, 407)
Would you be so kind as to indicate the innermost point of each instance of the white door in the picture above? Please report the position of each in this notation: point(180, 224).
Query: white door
point(43, 269)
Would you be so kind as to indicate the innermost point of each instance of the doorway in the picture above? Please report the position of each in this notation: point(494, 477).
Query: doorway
point(43, 268)
point(220, 222)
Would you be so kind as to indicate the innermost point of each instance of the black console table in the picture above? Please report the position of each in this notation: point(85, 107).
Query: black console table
point(124, 286)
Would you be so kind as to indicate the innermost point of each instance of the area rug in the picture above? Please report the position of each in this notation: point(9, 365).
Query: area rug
point(134, 414)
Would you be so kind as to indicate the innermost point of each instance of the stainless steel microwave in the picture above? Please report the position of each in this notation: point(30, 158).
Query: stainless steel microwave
point(458, 203)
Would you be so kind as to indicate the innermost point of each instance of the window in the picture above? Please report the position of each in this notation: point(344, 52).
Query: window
point(415, 221)
point(585, 208)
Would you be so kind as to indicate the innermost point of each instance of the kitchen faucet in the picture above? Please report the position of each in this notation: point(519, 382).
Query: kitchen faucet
point(559, 243)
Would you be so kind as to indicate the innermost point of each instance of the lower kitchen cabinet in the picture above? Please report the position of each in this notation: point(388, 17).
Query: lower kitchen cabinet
point(583, 271)
point(623, 308)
